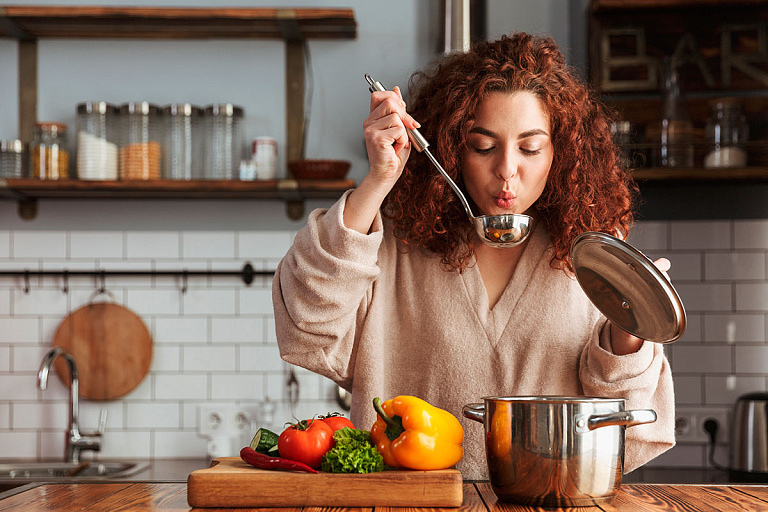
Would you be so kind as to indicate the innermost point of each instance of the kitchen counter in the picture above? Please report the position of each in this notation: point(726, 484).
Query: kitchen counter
point(478, 497)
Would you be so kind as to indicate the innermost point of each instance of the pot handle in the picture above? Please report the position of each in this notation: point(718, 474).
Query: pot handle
point(475, 412)
point(586, 422)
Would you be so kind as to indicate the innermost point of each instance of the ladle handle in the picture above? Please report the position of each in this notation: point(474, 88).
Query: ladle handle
point(421, 145)
point(417, 138)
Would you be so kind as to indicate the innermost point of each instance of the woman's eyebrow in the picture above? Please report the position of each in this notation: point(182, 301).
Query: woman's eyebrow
point(524, 135)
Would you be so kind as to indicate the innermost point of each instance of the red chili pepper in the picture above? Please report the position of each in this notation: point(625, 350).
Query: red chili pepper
point(263, 461)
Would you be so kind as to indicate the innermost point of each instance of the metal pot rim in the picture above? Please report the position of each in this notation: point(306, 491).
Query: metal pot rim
point(554, 399)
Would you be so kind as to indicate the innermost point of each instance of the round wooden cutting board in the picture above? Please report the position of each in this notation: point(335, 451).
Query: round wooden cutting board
point(112, 346)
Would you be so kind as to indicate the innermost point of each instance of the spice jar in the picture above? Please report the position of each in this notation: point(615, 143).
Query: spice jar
point(671, 138)
point(183, 141)
point(223, 141)
point(726, 133)
point(11, 158)
point(140, 141)
point(49, 156)
point(97, 139)
point(264, 151)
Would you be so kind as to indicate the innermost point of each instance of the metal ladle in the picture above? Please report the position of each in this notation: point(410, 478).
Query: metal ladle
point(505, 230)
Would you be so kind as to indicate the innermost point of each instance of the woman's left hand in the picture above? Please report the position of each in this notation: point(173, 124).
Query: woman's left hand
point(621, 341)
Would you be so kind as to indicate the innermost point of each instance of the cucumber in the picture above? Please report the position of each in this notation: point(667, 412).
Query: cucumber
point(272, 452)
point(264, 440)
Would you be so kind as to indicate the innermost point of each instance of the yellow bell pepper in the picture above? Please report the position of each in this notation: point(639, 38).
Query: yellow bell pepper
point(413, 434)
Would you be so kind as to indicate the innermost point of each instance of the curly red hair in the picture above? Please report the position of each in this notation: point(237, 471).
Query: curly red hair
point(588, 187)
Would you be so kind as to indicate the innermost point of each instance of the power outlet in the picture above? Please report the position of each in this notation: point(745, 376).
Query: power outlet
point(690, 421)
point(212, 420)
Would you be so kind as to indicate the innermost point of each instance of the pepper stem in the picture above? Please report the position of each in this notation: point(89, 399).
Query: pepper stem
point(394, 424)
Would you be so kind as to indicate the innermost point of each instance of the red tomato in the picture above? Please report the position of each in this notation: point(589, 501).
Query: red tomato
point(306, 441)
point(336, 422)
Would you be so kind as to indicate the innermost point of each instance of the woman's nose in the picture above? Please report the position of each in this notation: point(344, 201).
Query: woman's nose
point(507, 168)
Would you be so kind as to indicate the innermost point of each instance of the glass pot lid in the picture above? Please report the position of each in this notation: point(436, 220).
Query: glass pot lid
point(627, 287)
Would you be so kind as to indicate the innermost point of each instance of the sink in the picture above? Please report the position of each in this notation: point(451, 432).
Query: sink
point(64, 470)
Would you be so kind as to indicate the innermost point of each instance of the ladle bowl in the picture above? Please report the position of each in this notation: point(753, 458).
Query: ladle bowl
point(504, 230)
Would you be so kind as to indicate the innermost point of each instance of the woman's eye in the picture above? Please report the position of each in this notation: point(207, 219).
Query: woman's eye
point(530, 151)
point(483, 151)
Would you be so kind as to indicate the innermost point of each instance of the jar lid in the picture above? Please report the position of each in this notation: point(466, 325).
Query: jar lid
point(182, 109)
point(224, 109)
point(139, 107)
point(11, 146)
point(96, 107)
point(51, 126)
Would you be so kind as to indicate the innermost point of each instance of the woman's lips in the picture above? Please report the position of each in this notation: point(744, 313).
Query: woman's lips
point(504, 200)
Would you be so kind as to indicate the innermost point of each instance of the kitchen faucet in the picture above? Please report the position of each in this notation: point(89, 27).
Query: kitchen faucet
point(75, 440)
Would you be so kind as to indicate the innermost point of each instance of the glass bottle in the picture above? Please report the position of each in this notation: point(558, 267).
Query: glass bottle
point(183, 142)
point(96, 141)
point(224, 141)
point(140, 141)
point(12, 159)
point(48, 153)
point(726, 133)
point(671, 138)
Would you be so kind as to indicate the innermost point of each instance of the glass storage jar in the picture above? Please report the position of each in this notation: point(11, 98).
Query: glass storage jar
point(96, 141)
point(223, 141)
point(140, 141)
point(183, 142)
point(12, 158)
point(726, 133)
point(48, 152)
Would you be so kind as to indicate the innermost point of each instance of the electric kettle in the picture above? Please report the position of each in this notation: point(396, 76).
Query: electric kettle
point(749, 438)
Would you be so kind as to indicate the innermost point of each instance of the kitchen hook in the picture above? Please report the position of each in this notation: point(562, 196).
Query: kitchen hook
point(65, 276)
point(103, 281)
point(26, 281)
point(184, 281)
point(293, 390)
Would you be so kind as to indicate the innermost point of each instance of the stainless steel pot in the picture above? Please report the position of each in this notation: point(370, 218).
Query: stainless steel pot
point(555, 450)
point(749, 438)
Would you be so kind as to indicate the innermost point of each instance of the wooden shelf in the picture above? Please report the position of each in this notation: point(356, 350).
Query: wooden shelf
point(34, 22)
point(700, 174)
point(293, 192)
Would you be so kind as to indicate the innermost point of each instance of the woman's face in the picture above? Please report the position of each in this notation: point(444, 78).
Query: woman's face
point(509, 153)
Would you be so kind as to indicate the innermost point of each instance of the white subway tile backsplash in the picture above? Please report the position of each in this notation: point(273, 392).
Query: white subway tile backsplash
point(166, 358)
point(154, 302)
point(208, 244)
point(181, 387)
point(172, 445)
point(153, 415)
point(684, 266)
point(5, 244)
point(700, 235)
point(734, 266)
point(750, 234)
point(5, 417)
point(96, 244)
point(19, 330)
point(27, 358)
point(649, 236)
point(181, 330)
point(209, 302)
point(724, 390)
point(257, 301)
point(213, 358)
point(752, 359)
point(687, 389)
point(241, 329)
point(263, 357)
point(39, 302)
point(90, 415)
point(241, 386)
point(18, 387)
point(19, 444)
point(751, 296)
point(701, 359)
point(705, 296)
point(39, 244)
point(127, 444)
point(153, 244)
point(693, 329)
point(5, 359)
point(734, 328)
point(263, 244)
point(5, 302)
point(31, 415)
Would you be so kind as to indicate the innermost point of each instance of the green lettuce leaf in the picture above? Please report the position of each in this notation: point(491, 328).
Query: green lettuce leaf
point(352, 453)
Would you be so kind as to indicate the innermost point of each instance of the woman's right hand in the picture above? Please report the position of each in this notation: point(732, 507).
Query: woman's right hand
point(386, 137)
point(388, 145)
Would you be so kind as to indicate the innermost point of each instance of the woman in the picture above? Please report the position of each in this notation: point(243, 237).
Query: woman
point(391, 292)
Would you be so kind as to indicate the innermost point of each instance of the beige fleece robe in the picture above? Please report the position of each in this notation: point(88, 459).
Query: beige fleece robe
point(383, 322)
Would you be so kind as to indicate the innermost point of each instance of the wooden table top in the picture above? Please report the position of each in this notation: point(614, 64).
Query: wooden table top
point(478, 497)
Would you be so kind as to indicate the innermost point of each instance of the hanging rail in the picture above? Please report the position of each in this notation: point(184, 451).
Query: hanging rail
point(247, 274)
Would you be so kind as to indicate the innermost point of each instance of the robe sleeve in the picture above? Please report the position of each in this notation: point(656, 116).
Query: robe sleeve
point(319, 292)
point(644, 380)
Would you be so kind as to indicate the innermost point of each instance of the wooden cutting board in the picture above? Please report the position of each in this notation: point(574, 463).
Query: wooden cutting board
point(230, 482)
point(111, 345)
